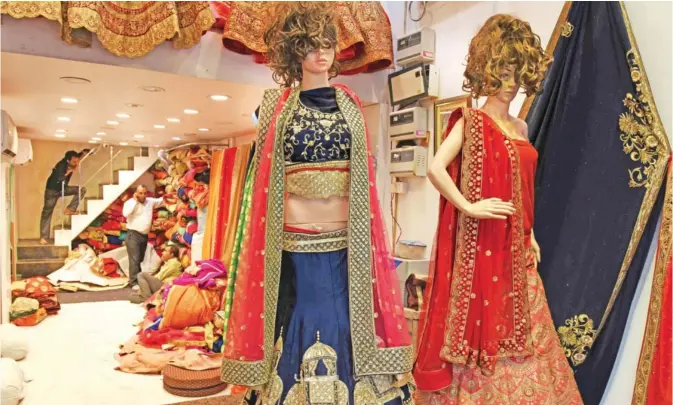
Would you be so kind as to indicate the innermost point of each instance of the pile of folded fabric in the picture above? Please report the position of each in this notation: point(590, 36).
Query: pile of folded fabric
point(108, 231)
point(32, 300)
point(85, 270)
point(183, 325)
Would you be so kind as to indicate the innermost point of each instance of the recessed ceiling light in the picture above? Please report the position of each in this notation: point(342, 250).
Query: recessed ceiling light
point(64, 119)
point(139, 136)
point(61, 130)
point(95, 139)
point(158, 126)
point(175, 138)
point(204, 129)
point(123, 143)
point(153, 89)
point(219, 97)
point(173, 120)
point(100, 133)
point(191, 112)
point(123, 115)
point(113, 122)
point(75, 80)
point(69, 100)
point(60, 135)
point(92, 141)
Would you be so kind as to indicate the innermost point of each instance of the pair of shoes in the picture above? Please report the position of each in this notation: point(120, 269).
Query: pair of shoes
point(136, 298)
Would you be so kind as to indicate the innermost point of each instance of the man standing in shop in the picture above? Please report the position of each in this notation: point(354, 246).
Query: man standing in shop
point(57, 186)
point(138, 212)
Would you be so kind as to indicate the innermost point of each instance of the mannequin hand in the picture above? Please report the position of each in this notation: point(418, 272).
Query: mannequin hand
point(492, 208)
point(536, 250)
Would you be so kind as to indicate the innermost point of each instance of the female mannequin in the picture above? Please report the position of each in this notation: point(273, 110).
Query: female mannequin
point(317, 314)
point(486, 334)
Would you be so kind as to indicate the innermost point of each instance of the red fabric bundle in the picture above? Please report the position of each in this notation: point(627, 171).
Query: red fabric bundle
point(110, 266)
point(112, 225)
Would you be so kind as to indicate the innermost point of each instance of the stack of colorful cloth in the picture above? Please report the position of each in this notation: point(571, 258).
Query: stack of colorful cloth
point(183, 324)
point(26, 312)
point(85, 270)
point(38, 289)
point(108, 231)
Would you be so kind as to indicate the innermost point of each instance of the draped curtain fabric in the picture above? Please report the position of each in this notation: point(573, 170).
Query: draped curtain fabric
point(603, 157)
point(125, 28)
point(653, 376)
point(364, 32)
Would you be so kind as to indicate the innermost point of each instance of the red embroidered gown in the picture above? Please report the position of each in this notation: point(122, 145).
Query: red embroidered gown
point(485, 334)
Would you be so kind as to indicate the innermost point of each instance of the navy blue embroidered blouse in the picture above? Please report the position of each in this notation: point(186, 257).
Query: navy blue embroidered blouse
point(317, 131)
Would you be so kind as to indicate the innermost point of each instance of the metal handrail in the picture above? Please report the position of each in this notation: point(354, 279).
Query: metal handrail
point(100, 169)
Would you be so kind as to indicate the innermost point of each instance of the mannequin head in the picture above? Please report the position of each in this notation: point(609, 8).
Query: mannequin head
point(505, 56)
point(301, 42)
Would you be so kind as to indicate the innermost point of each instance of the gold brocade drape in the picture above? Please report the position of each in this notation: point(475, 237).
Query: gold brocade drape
point(213, 203)
point(125, 28)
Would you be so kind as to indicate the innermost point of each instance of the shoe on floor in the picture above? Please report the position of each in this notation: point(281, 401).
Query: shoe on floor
point(136, 299)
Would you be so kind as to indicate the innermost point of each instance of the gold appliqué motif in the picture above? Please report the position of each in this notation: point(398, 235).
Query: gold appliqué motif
point(318, 183)
point(577, 337)
point(316, 136)
point(567, 29)
point(640, 135)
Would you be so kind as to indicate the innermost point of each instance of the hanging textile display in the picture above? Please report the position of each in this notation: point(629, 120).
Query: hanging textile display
point(365, 36)
point(238, 173)
point(125, 28)
point(603, 157)
point(216, 186)
point(653, 376)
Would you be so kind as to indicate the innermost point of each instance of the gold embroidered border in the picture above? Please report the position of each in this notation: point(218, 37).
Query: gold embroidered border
point(50, 10)
point(315, 243)
point(560, 28)
point(327, 164)
point(318, 183)
point(655, 308)
point(657, 173)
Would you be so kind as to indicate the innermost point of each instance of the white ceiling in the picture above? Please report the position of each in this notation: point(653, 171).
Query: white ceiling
point(32, 91)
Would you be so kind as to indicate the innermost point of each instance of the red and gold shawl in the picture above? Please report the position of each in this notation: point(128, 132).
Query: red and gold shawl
point(476, 307)
point(381, 341)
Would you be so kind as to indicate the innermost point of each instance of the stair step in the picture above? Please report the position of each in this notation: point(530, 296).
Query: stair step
point(32, 268)
point(41, 252)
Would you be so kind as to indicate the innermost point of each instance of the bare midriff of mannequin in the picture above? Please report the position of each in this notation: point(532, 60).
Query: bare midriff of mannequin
point(316, 214)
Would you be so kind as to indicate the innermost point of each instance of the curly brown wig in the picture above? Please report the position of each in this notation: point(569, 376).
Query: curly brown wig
point(505, 41)
point(301, 28)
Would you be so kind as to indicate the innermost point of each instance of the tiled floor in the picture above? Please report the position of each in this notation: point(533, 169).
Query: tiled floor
point(71, 359)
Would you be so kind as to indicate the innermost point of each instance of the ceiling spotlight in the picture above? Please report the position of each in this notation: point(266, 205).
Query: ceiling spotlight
point(61, 130)
point(173, 119)
point(123, 143)
point(60, 135)
point(95, 139)
point(92, 141)
point(75, 80)
point(153, 89)
point(123, 115)
point(64, 119)
point(113, 122)
point(159, 126)
point(175, 138)
point(219, 97)
point(69, 100)
point(191, 112)
point(139, 136)
point(204, 129)
point(101, 133)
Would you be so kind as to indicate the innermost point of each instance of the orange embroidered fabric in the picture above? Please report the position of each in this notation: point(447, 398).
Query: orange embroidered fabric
point(364, 42)
point(190, 306)
point(541, 379)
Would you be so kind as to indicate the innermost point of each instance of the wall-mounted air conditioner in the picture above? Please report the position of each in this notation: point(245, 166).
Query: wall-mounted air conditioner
point(10, 137)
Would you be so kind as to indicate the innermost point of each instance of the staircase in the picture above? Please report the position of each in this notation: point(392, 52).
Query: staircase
point(34, 259)
point(93, 207)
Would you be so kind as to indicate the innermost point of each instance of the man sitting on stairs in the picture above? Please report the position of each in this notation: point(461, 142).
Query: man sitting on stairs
point(138, 212)
point(57, 184)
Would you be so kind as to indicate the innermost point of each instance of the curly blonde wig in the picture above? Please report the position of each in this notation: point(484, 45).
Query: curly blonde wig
point(505, 41)
point(301, 28)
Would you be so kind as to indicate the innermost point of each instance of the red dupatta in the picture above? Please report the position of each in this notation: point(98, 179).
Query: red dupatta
point(381, 341)
point(476, 307)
